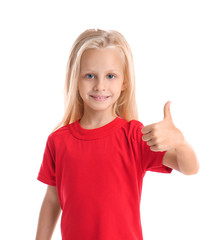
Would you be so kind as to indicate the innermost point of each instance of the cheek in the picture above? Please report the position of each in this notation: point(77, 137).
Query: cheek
point(117, 88)
point(81, 87)
point(117, 93)
point(81, 90)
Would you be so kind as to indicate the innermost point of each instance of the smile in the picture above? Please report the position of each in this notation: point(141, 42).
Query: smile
point(100, 98)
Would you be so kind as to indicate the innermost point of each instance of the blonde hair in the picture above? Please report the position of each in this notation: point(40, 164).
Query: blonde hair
point(126, 106)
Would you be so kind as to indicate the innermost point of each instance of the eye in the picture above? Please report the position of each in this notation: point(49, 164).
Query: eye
point(89, 75)
point(111, 76)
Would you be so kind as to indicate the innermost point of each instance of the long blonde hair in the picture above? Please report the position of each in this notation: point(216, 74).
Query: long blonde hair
point(126, 106)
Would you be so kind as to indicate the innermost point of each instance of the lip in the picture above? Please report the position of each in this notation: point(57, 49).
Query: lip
point(99, 98)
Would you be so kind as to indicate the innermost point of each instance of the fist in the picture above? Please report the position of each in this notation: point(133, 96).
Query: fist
point(163, 135)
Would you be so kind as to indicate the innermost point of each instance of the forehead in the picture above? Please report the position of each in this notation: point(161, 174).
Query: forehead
point(102, 57)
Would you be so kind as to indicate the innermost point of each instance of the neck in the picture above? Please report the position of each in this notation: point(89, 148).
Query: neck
point(95, 121)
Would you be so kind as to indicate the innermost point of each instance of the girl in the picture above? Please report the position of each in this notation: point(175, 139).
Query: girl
point(95, 159)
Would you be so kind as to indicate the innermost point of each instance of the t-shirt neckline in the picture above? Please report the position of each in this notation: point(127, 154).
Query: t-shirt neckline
point(95, 133)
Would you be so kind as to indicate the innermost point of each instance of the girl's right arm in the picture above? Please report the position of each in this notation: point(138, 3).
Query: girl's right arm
point(49, 214)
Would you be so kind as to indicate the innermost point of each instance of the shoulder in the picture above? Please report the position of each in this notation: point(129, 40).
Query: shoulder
point(134, 124)
point(59, 134)
point(133, 129)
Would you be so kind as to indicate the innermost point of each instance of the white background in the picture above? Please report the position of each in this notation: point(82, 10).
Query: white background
point(176, 56)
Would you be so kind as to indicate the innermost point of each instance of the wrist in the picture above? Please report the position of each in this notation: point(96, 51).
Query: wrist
point(180, 140)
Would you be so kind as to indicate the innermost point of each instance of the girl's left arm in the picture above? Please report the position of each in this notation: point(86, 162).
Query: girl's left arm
point(164, 136)
point(182, 158)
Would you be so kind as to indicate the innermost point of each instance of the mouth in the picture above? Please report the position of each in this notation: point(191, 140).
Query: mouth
point(99, 98)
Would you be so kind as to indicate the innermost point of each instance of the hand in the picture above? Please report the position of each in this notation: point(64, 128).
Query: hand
point(163, 135)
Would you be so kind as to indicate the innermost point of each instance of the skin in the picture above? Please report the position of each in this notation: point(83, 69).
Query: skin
point(101, 73)
point(49, 214)
point(164, 136)
point(106, 67)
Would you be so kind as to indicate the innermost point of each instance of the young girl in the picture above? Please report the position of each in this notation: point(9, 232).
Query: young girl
point(95, 159)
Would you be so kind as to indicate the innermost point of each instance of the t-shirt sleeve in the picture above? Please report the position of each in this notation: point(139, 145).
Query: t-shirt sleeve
point(46, 173)
point(149, 160)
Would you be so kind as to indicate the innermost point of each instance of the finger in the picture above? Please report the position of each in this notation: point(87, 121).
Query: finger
point(167, 113)
point(147, 129)
point(155, 148)
point(151, 142)
point(147, 137)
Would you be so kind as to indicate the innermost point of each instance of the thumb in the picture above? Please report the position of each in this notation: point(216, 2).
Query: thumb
point(167, 114)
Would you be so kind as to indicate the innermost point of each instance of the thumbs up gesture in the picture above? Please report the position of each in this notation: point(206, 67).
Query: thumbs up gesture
point(163, 135)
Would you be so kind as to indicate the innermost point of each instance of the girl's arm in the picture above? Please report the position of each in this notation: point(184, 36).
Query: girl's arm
point(182, 158)
point(49, 214)
point(164, 136)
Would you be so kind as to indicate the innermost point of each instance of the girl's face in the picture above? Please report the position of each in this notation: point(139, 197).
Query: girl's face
point(101, 78)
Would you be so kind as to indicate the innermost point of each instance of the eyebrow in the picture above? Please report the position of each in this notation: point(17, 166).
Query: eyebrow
point(110, 70)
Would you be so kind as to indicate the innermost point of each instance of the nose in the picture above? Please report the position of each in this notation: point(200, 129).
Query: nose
point(100, 85)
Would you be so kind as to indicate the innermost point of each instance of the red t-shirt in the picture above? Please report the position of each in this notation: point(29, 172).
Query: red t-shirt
point(98, 174)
